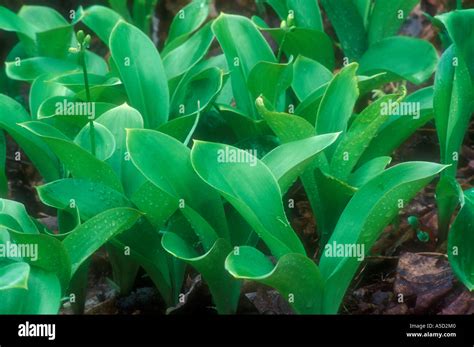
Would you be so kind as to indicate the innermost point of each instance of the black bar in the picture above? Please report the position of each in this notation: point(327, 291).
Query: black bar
point(191, 330)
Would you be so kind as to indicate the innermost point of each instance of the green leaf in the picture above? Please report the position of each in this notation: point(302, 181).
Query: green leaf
point(18, 212)
point(31, 68)
point(400, 126)
point(184, 57)
point(144, 78)
point(224, 289)
point(368, 171)
point(370, 210)
point(243, 46)
point(448, 196)
point(251, 188)
point(77, 160)
point(12, 113)
point(196, 91)
point(171, 160)
point(306, 13)
point(188, 19)
point(461, 238)
point(349, 26)
point(42, 18)
point(387, 17)
point(43, 295)
point(363, 129)
point(143, 11)
point(452, 103)
point(101, 20)
point(14, 275)
point(335, 194)
point(117, 120)
point(270, 80)
point(288, 161)
point(89, 197)
point(459, 27)
point(296, 277)
point(180, 128)
point(42, 89)
point(9, 21)
point(309, 75)
point(338, 101)
point(87, 238)
point(50, 254)
point(310, 43)
point(104, 140)
point(409, 58)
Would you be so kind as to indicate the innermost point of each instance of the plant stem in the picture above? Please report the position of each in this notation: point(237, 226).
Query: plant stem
point(88, 97)
point(458, 4)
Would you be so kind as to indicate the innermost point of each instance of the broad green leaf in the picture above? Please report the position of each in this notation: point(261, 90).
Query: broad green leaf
point(349, 26)
point(460, 241)
point(400, 126)
point(185, 56)
point(242, 125)
point(309, 75)
point(361, 132)
point(142, 73)
point(18, 212)
point(89, 197)
point(368, 171)
point(87, 238)
point(117, 120)
point(188, 19)
point(387, 17)
point(459, 27)
point(143, 11)
point(9, 21)
point(288, 161)
point(334, 194)
point(271, 81)
point(104, 140)
point(77, 160)
point(180, 128)
point(49, 256)
point(243, 46)
point(409, 58)
point(42, 89)
point(121, 7)
point(251, 188)
point(224, 289)
point(196, 91)
point(14, 275)
point(55, 43)
point(171, 160)
point(338, 101)
point(42, 18)
point(448, 197)
point(295, 276)
point(12, 113)
point(101, 20)
point(310, 43)
point(453, 106)
point(306, 13)
point(31, 68)
point(370, 210)
point(43, 295)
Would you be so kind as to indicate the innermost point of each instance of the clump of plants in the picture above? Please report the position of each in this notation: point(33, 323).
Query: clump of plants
point(178, 158)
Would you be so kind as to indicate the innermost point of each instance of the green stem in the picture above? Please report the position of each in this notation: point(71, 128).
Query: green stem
point(459, 4)
point(280, 49)
point(88, 97)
